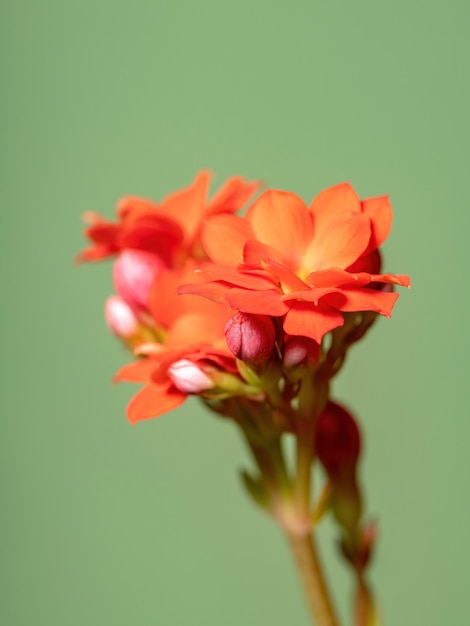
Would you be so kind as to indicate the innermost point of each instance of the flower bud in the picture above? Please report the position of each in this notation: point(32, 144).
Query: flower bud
point(359, 547)
point(300, 351)
point(250, 338)
point(133, 273)
point(337, 441)
point(337, 445)
point(370, 263)
point(189, 377)
point(120, 318)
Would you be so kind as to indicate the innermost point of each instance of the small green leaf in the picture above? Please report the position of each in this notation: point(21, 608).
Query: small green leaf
point(255, 489)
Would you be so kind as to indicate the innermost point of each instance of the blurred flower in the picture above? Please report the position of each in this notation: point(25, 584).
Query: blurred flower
point(170, 229)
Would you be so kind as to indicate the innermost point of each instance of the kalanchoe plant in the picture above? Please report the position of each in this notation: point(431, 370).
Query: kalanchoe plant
point(255, 315)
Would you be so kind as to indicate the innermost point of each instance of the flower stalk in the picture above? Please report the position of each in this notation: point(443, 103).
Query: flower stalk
point(312, 577)
point(289, 503)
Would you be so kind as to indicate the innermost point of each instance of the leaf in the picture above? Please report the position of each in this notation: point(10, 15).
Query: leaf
point(255, 489)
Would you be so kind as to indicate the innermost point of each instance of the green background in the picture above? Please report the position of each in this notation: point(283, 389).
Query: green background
point(104, 523)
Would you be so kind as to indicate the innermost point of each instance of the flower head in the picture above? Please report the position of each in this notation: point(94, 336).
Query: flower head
point(307, 265)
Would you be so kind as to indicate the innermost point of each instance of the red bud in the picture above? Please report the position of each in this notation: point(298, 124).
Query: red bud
point(337, 441)
point(300, 351)
point(250, 338)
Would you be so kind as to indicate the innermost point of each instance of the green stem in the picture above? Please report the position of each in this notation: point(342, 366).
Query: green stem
point(270, 462)
point(290, 505)
point(303, 468)
point(311, 574)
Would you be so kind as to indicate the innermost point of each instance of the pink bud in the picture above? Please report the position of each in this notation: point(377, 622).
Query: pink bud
point(300, 351)
point(120, 317)
point(188, 377)
point(250, 338)
point(133, 273)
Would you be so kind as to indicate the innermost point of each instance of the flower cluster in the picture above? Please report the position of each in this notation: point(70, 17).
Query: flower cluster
point(291, 273)
point(254, 314)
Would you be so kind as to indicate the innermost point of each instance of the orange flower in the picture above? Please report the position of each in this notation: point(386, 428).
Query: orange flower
point(170, 229)
point(194, 338)
point(305, 264)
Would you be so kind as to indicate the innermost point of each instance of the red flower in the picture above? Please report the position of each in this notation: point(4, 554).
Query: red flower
point(305, 264)
point(170, 229)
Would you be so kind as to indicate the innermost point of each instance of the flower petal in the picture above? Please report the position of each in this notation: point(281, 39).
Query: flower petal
point(243, 277)
point(364, 300)
point(166, 303)
point(266, 302)
point(214, 290)
point(137, 372)
point(131, 208)
point(282, 220)
point(310, 295)
point(257, 253)
point(395, 279)
point(334, 277)
point(287, 279)
point(96, 253)
point(233, 194)
point(223, 238)
point(199, 328)
point(187, 206)
point(153, 400)
point(379, 211)
point(333, 203)
point(339, 243)
point(158, 235)
point(309, 320)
